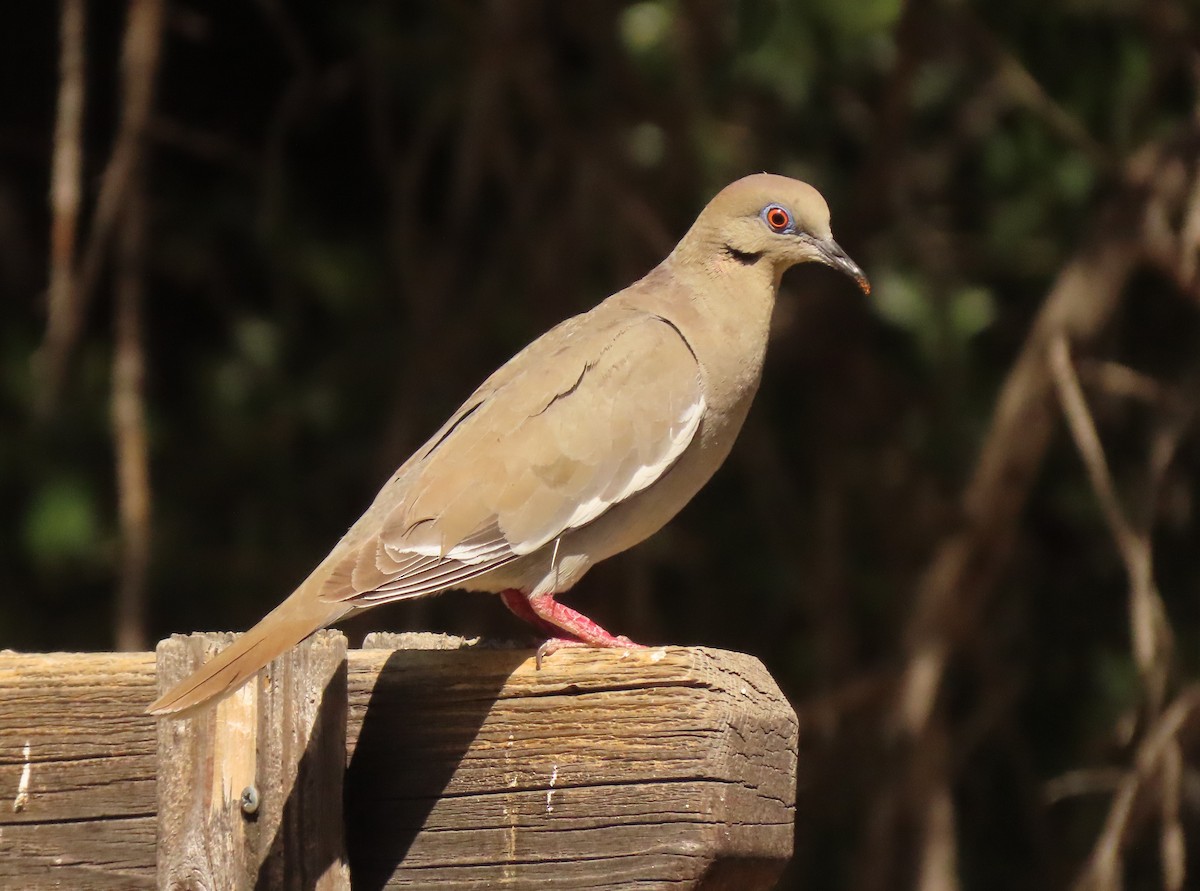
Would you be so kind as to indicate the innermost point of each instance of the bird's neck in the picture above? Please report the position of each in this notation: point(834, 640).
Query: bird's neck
point(735, 291)
point(726, 319)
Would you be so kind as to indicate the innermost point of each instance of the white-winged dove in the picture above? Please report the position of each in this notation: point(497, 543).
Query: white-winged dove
point(580, 446)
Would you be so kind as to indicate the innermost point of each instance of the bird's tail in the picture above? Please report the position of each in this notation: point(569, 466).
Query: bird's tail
point(280, 630)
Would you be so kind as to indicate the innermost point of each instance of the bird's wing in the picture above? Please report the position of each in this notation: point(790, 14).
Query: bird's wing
point(588, 415)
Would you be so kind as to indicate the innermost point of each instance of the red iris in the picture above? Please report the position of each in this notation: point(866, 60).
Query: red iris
point(778, 219)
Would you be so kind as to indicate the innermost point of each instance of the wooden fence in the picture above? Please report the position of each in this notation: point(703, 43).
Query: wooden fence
point(415, 762)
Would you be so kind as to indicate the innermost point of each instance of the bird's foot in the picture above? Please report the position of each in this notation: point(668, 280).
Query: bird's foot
point(567, 627)
point(554, 644)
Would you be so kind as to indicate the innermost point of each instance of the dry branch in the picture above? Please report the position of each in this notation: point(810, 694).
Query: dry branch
point(140, 50)
point(128, 410)
point(967, 563)
point(957, 583)
point(1079, 306)
point(1156, 759)
point(140, 60)
point(1147, 617)
point(66, 175)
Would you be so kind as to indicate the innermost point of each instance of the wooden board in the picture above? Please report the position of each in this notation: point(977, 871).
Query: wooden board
point(77, 771)
point(278, 742)
point(670, 767)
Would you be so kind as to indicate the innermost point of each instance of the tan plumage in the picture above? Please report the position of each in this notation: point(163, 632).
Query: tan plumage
point(580, 446)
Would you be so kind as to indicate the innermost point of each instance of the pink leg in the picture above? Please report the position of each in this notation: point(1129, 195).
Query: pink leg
point(518, 605)
point(547, 614)
point(575, 623)
point(582, 630)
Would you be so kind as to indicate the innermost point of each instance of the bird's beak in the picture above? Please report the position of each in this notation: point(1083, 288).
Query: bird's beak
point(832, 255)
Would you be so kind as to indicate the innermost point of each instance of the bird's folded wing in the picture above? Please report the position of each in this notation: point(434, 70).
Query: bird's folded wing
point(587, 416)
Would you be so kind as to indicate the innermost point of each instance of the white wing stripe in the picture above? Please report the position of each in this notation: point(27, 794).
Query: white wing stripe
point(642, 477)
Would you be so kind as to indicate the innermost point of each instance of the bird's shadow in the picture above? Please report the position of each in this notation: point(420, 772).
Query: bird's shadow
point(425, 709)
point(290, 862)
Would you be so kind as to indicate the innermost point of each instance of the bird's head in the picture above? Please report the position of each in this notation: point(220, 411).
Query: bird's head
point(771, 220)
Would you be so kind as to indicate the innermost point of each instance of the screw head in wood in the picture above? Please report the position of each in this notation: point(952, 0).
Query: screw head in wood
point(249, 801)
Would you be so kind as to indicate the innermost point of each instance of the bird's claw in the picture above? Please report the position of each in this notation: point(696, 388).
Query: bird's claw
point(554, 644)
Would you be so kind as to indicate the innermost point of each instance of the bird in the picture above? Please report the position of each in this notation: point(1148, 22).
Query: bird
point(582, 445)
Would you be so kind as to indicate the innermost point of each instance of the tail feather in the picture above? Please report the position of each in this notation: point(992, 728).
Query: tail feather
point(278, 631)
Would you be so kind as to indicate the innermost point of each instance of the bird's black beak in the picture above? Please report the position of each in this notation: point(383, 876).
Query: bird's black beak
point(832, 255)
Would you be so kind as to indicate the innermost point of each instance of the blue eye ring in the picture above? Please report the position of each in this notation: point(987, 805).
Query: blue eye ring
point(777, 218)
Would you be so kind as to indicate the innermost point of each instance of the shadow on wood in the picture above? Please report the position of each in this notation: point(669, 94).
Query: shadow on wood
point(304, 854)
point(669, 768)
point(414, 731)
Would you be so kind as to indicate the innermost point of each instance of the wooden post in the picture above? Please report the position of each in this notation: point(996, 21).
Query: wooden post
point(250, 791)
point(665, 768)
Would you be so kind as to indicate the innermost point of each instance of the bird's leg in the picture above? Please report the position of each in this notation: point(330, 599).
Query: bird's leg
point(562, 618)
point(518, 604)
point(566, 627)
point(582, 630)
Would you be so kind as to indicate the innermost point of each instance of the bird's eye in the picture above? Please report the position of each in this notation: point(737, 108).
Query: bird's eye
point(777, 218)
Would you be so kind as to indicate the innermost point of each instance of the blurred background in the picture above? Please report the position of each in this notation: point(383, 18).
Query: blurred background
point(253, 254)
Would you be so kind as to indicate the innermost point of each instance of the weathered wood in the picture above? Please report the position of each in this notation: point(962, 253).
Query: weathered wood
point(250, 792)
point(661, 768)
point(77, 769)
point(669, 767)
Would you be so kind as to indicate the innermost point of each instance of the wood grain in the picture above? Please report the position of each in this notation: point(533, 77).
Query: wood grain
point(604, 769)
point(74, 741)
point(283, 737)
point(670, 767)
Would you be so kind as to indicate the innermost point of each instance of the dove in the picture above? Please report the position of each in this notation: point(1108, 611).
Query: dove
point(582, 445)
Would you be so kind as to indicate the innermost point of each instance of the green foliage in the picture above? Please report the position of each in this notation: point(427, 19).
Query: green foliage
point(62, 525)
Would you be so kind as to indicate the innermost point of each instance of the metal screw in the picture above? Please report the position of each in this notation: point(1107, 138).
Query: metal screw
point(249, 801)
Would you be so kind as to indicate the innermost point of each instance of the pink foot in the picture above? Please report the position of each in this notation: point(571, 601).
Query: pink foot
point(544, 612)
point(554, 644)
